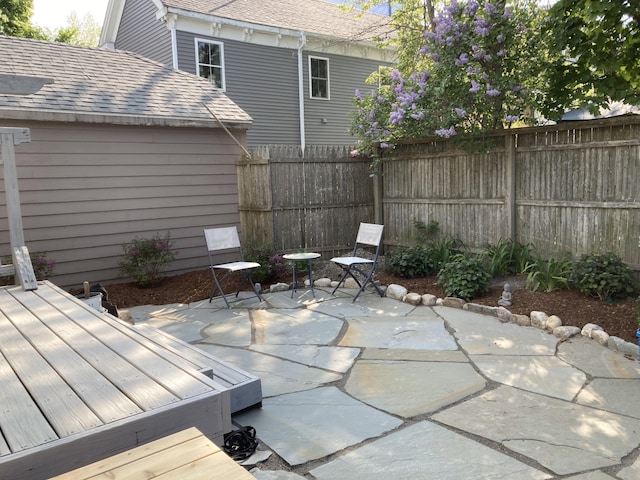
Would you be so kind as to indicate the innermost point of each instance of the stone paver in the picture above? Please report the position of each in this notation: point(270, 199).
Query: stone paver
point(352, 390)
point(564, 437)
point(547, 375)
point(412, 388)
point(393, 332)
point(428, 451)
point(308, 425)
point(479, 335)
point(612, 395)
point(591, 358)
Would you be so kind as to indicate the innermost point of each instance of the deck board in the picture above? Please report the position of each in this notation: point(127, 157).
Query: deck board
point(79, 385)
point(100, 394)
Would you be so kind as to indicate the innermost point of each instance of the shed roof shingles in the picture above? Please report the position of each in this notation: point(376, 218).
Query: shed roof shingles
point(93, 81)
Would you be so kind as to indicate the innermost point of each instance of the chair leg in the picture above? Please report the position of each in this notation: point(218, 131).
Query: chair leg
point(218, 287)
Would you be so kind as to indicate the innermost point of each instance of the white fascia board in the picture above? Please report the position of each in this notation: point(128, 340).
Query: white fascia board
point(110, 24)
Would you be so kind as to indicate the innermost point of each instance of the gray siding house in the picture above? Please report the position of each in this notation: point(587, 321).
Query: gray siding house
point(293, 65)
point(121, 147)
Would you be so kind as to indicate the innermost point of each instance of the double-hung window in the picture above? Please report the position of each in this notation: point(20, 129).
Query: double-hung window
point(210, 61)
point(319, 77)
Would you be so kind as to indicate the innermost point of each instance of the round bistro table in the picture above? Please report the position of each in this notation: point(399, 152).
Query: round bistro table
point(301, 257)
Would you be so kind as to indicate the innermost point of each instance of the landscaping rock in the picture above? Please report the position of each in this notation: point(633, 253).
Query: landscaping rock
point(453, 302)
point(279, 287)
point(322, 282)
point(412, 298)
point(440, 302)
point(565, 332)
point(397, 292)
point(553, 322)
point(588, 329)
point(504, 315)
point(429, 300)
point(484, 309)
point(522, 320)
point(622, 346)
point(539, 319)
point(600, 336)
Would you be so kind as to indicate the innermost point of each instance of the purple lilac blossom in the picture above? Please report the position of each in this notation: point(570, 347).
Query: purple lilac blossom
point(417, 116)
point(446, 132)
point(460, 112)
point(489, 8)
point(500, 38)
point(475, 87)
point(507, 13)
point(501, 53)
point(354, 153)
point(358, 96)
point(511, 118)
point(492, 92)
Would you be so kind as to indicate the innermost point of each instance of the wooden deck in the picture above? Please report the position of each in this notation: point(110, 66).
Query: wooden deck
point(79, 385)
point(184, 455)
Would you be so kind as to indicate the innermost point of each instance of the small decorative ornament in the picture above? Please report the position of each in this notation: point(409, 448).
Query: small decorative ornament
point(505, 299)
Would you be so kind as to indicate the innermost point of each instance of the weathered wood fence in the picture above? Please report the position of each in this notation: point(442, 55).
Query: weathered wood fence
point(572, 187)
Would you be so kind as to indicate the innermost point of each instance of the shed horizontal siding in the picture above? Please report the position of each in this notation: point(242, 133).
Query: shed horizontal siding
point(87, 189)
point(262, 80)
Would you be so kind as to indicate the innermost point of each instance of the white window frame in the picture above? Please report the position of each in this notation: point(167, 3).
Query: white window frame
point(197, 42)
point(311, 96)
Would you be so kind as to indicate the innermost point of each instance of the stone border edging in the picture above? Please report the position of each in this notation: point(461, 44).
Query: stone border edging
point(552, 324)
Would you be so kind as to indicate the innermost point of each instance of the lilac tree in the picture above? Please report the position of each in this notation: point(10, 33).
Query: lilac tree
point(484, 64)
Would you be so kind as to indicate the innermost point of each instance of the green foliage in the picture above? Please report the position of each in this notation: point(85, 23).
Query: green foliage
point(268, 259)
point(548, 275)
point(604, 275)
point(144, 259)
point(507, 257)
point(595, 54)
point(464, 277)
point(15, 20)
point(43, 267)
point(427, 256)
point(410, 262)
point(479, 70)
point(83, 31)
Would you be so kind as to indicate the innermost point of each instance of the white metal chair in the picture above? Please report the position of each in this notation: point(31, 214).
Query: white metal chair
point(226, 240)
point(369, 235)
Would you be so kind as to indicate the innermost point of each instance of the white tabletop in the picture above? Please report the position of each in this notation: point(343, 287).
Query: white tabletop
point(300, 256)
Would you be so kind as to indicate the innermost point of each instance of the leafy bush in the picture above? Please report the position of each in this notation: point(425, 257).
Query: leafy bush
point(604, 275)
point(440, 252)
point(269, 261)
point(548, 275)
point(43, 267)
point(507, 257)
point(144, 259)
point(410, 262)
point(464, 277)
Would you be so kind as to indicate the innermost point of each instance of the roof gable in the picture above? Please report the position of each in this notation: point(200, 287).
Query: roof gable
point(107, 86)
point(309, 16)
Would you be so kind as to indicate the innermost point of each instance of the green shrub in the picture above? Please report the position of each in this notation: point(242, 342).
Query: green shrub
point(410, 262)
point(604, 275)
point(144, 259)
point(507, 257)
point(42, 267)
point(464, 277)
point(426, 232)
point(440, 252)
point(269, 261)
point(548, 275)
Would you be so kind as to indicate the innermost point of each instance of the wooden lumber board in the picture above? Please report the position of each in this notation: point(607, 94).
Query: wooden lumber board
point(139, 387)
point(224, 372)
point(246, 389)
point(22, 423)
point(96, 324)
point(67, 454)
point(59, 404)
point(186, 454)
point(105, 399)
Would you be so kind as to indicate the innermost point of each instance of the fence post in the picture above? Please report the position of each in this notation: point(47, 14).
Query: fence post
point(510, 184)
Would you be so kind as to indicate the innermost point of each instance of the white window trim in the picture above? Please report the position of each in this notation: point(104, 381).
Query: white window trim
point(328, 79)
point(197, 40)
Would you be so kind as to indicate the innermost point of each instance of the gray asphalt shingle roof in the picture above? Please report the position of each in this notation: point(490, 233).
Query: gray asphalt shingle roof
point(109, 86)
point(310, 16)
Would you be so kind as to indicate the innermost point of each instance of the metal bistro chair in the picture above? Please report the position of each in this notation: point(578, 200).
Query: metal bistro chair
point(369, 235)
point(226, 238)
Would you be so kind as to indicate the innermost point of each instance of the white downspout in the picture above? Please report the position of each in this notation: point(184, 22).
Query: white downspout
point(303, 41)
point(171, 25)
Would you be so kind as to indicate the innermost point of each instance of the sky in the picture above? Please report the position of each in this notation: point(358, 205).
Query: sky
point(53, 14)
